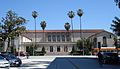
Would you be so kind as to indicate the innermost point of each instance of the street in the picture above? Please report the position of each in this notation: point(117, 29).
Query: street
point(63, 62)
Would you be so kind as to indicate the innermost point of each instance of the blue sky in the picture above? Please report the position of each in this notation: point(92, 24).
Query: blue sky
point(98, 14)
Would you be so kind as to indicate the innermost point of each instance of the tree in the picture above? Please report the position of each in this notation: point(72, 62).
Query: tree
point(117, 3)
point(71, 16)
point(67, 26)
point(34, 15)
point(80, 13)
point(12, 26)
point(79, 44)
point(116, 26)
point(87, 45)
point(43, 25)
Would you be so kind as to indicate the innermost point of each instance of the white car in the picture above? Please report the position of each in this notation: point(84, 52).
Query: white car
point(4, 63)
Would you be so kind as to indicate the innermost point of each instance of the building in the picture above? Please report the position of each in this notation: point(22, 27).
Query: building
point(61, 41)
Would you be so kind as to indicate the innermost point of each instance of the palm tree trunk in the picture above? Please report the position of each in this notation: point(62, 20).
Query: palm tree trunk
point(72, 30)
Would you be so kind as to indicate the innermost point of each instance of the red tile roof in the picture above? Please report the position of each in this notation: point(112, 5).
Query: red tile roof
point(57, 31)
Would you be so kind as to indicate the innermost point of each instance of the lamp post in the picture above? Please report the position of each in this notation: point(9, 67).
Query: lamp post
point(71, 15)
point(34, 14)
point(80, 13)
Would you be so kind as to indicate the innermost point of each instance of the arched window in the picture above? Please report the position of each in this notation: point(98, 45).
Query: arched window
point(54, 38)
point(49, 38)
point(95, 42)
point(104, 42)
point(58, 48)
point(63, 38)
point(51, 48)
point(58, 38)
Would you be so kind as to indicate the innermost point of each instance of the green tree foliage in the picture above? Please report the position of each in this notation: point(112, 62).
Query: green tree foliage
point(116, 26)
point(117, 3)
point(43, 25)
point(12, 26)
point(85, 44)
point(67, 26)
point(43, 50)
point(79, 44)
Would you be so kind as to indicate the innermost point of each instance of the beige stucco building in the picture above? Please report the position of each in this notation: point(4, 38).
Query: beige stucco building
point(62, 41)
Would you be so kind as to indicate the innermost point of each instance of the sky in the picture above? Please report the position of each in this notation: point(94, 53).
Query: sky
point(98, 14)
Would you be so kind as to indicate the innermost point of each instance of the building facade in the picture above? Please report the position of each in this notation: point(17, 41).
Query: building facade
point(61, 42)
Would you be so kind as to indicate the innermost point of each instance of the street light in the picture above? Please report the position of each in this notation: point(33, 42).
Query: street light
point(71, 15)
point(80, 13)
point(34, 14)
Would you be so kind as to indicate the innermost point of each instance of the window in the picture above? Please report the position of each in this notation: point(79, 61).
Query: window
point(63, 38)
point(104, 42)
point(49, 37)
point(110, 36)
point(65, 49)
point(54, 38)
point(67, 37)
point(99, 44)
point(51, 48)
point(95, 42)
point(58, 48)
point(58, 38)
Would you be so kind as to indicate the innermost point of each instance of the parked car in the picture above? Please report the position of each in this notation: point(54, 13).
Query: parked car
point(20, 54)
point(13, 60)
point(110, 57)
point(4, 63)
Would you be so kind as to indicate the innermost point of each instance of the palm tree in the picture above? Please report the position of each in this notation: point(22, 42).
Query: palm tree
point(71, 15)
point(43, 25)
point(80, 13)
point(67, 27)
point(34, 14)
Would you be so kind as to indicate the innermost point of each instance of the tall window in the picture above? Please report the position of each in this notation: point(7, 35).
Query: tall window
point(53, 38)
point(110, 36)
point(49, 37)
point(58, 38)
point(65, 49)
point(51, 48)
point(58, 48)
point(63, 38)
point(95, 42)
point(104, 41)
point(67, 37)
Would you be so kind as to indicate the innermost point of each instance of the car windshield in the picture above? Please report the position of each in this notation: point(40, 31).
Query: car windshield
point(10, 56)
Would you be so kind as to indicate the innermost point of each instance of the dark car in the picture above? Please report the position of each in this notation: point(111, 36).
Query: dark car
point(13, 60)
point(110, 57)
point(20, 54)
